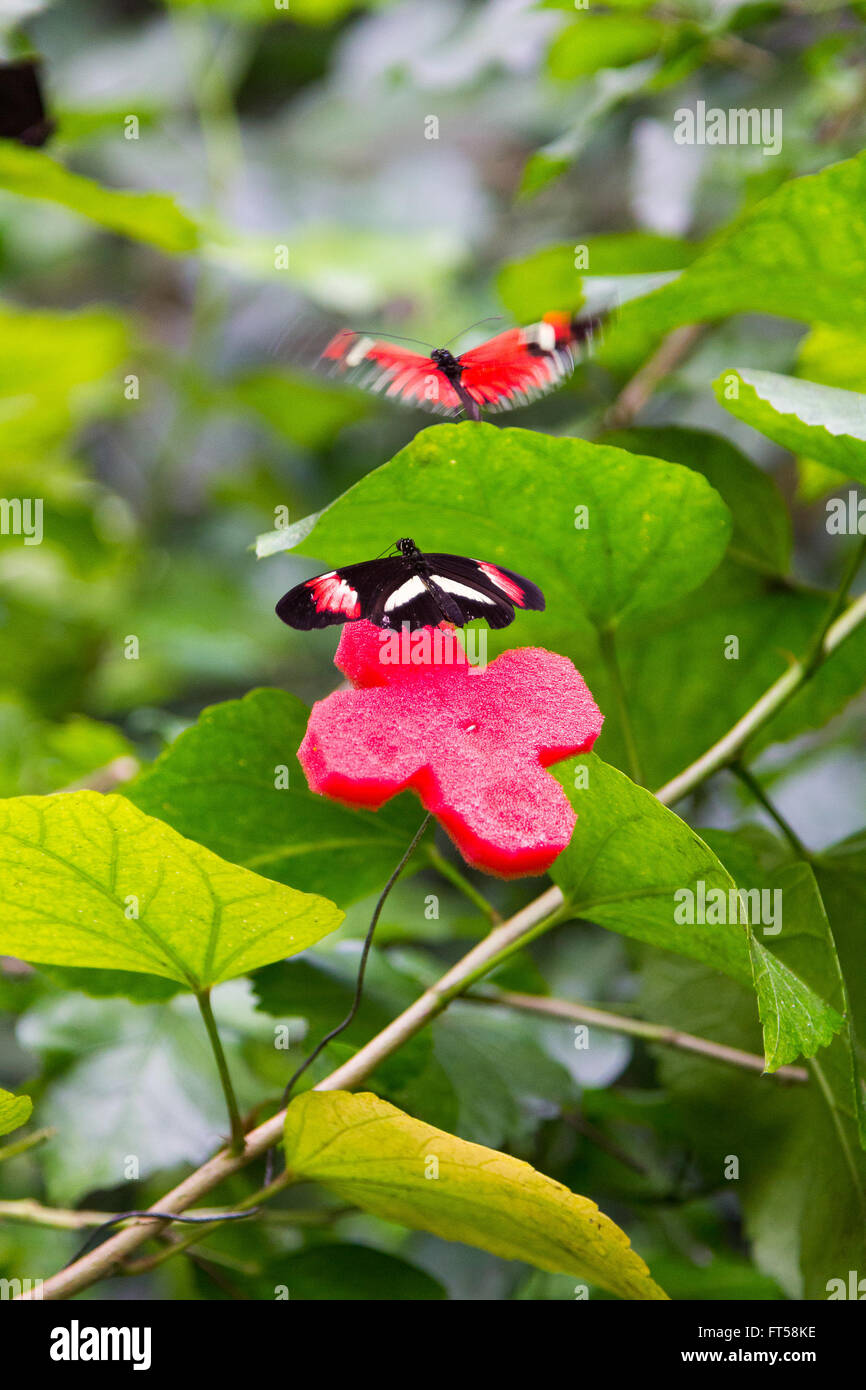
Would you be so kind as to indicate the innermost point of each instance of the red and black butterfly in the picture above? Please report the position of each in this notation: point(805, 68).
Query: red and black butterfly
point(410, 589)
point(22, 111)
point(510, 370)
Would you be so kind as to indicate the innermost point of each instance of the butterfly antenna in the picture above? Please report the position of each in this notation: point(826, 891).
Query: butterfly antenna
point(491, 318)
point(377, 333)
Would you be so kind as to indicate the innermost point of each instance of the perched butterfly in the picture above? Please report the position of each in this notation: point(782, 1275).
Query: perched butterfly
point(22, 112)
point(510, 370)
point(410, 589)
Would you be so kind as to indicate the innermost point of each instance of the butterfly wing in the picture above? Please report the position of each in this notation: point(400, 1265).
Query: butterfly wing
point(516, 366)
point(483, 590)
point(22, 112)
point(390, 370)
point(356, 591)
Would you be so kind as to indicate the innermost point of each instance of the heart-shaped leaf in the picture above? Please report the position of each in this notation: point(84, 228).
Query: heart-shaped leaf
point(89, 880)
point(605, 533)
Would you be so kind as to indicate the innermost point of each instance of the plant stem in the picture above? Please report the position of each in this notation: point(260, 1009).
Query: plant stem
point(670, 353)
point(611, 661)
point(34, 1213)
point(814, 656)
point(462, 883)
point(635, 1027)
point(237, 1129)
point(30, 1141)
point(750, 781)
point(729, 747)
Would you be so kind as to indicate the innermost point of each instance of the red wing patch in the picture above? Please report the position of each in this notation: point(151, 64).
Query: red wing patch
point(502, 581)
point(517, 366)
point(331, 594)
point(393, 371)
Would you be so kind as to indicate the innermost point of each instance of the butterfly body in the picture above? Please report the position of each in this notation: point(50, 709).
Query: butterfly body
point(511, 369)
point(411, 589)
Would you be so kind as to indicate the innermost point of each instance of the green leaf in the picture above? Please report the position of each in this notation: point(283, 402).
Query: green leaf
point(634, 866)
point(150, 217)
point(821, 421)
point(351, 1272)
point(217, 784)
point(332, 1271)
point(603, 41)
point(136, 1083)
point(668, 658)
point(799, 253)
point(15, 1111)
point(761, 533)
point(835, 357)
point(54, 373)
point(38, 756)
point(629, 855)
point(548, 279)
point(655, 529)
point(73, 867)
point(841, 875)
point(798, 1021)
point(370, 1153)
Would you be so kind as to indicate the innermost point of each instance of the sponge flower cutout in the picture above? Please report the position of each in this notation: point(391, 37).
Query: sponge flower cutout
point(473, 743)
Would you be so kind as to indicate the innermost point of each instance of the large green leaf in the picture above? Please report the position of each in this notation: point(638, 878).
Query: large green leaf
point(551, 278)
point(151, 217)
point(668, 658)
point(761, 532)
point(655, 530)
point(14, 1111)
point(799, 253)
point(628, 862)
point(75, 868)
point(219, 783)
point(820, 421)
point(401, 1169)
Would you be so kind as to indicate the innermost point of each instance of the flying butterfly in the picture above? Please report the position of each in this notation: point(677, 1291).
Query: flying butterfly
point(509, 370)
point(22, 110)
point(410, 589)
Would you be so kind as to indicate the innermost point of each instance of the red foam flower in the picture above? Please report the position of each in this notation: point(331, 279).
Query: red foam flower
point(473, 742)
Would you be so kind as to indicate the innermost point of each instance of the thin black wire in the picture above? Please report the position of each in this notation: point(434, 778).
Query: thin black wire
point(158, 1216)
point(359, 985)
